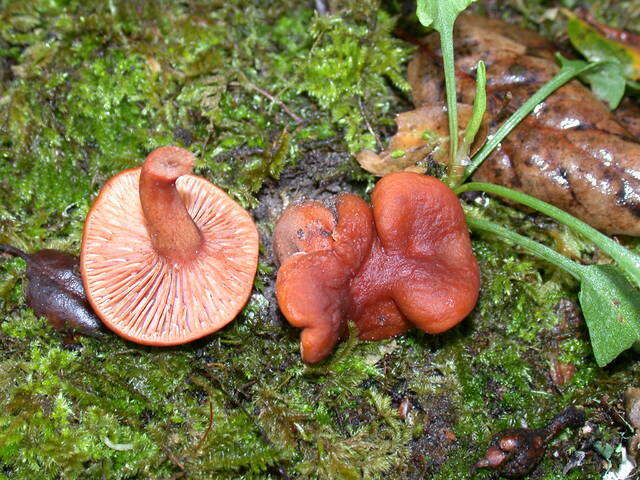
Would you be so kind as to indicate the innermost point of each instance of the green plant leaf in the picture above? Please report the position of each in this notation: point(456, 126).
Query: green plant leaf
point(479, 107)
point(626, 259)
point(441, 15)
point(610, 303)
point(620, 61)
point(607, 83)
point(611, 308)
point(456, 172)
point(531, 246)
point(595, 46)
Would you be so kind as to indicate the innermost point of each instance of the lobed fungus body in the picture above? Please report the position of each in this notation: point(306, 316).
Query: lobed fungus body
point(167, 257)
point(405, 261)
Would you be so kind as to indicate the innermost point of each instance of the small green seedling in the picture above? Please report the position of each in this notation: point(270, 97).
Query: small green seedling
point(441, 15)
point(609, 301)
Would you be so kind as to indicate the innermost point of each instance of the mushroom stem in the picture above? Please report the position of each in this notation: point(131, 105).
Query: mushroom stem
point(172, 231)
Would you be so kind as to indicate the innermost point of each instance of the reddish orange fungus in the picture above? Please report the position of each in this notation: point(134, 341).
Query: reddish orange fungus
point(167, 257)
point(405, 261)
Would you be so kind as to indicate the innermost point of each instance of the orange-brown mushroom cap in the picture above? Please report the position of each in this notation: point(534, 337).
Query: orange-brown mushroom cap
point(407, 261)
point(167, 257)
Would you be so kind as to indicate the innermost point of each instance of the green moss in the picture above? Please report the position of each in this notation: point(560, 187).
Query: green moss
point(348, 68)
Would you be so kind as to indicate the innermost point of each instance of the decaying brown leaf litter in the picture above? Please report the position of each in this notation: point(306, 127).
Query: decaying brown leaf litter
point(290, 285)
point(572, 151)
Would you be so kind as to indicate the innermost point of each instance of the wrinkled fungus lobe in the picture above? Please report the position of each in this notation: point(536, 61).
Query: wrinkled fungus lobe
point(405, 261)
point(167, 257)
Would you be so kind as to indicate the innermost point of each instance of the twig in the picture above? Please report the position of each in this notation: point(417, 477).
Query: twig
point(13, 251)
point(204, 435)
point(6, 338)
point(175, 461)
point(206, 143)
point(614, 414)
point(266, 94)
point(243, 151)
point(366, 122)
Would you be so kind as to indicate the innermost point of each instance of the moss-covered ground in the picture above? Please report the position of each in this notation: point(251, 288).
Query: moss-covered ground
point(273, 98)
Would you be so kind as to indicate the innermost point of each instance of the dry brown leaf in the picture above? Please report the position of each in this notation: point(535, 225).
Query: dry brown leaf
point(571, 151)
point(423, 137)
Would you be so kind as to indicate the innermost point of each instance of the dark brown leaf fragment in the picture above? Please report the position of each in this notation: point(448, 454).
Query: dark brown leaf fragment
point(55, 290)
point(632, 406)
point(515, 452)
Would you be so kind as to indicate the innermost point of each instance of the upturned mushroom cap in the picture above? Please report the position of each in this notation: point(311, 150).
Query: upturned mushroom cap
point(405, 262)
point(167, 257)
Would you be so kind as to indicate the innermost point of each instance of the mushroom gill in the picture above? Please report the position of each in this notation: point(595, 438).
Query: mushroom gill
point(167, 257)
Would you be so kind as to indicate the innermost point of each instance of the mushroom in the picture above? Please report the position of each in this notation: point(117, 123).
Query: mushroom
point(406, 261)
point(318, 257)
point(167, 257)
